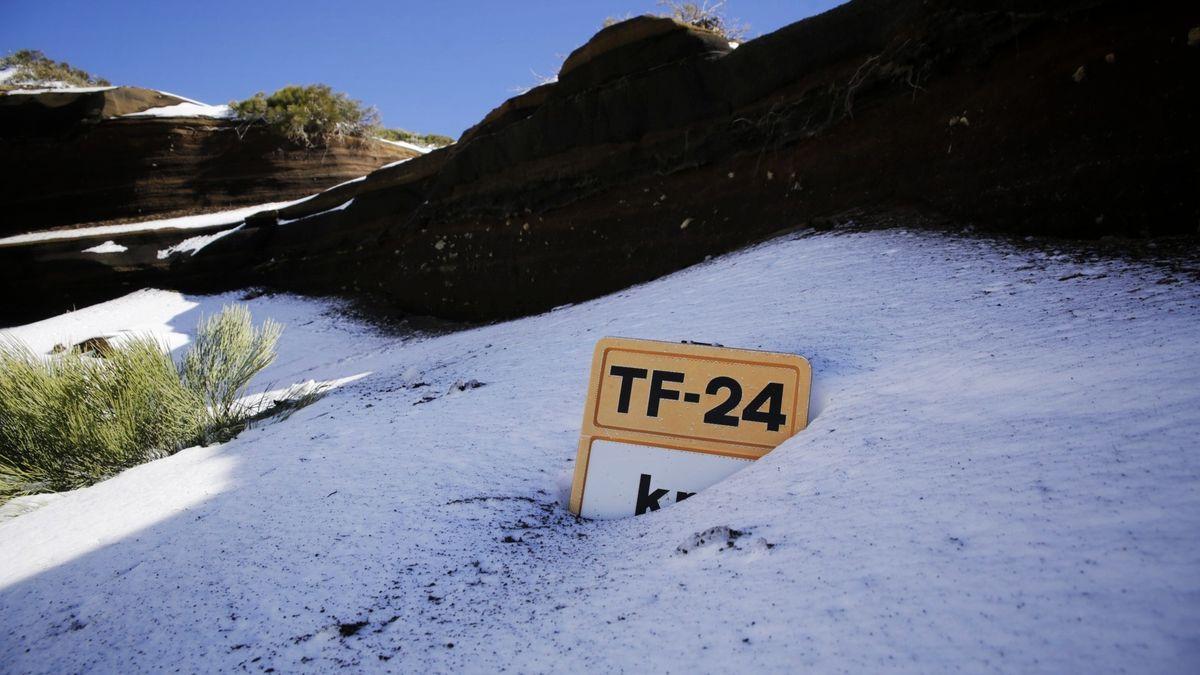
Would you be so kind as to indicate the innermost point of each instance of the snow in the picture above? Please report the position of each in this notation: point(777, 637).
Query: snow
point(185, 109)
point(423, 149)
point(19, 506)
point(396, 163)
point(19, 75)
point(182, 98)
point(342, 184)
point(341, 207)
point(109, 246)
point(144, 312)
point(226, 217)
point(215, 218)
point(192, 245)
point(1000, 474)
point(56, 87)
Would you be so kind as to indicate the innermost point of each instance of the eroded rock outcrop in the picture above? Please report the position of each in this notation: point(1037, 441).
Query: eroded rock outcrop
point(660, 145)
point(78, 156)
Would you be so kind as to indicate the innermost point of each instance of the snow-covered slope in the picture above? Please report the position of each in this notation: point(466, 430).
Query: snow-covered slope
point(1001, 473)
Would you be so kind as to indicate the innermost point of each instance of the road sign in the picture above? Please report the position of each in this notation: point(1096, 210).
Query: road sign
point(665, 420)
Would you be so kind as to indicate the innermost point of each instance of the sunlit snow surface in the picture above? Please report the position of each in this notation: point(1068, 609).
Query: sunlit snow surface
point(1001, 473)
point(228, 216)
point(185, 109)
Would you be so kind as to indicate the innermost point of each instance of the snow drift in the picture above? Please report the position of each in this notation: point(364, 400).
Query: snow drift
point(1000, 473)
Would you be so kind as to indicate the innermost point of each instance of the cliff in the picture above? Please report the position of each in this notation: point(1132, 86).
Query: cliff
point(121, 153)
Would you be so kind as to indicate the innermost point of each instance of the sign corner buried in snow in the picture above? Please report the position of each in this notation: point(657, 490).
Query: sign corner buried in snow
point(665, 420)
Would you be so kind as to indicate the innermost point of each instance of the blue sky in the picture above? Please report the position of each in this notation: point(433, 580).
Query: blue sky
point(432, 66)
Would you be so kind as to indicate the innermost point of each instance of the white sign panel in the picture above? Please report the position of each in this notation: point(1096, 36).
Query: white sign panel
point(628, 480)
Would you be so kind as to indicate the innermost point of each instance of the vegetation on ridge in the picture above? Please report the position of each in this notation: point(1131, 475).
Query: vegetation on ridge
point(426, 140)
point(707, 15)
point(315, 116)
point(34, 71)
point(710, 17)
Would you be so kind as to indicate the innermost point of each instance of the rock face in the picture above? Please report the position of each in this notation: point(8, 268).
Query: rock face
point(659, 145)
point(81, 161)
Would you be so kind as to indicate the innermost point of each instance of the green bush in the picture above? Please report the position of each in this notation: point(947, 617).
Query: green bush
point(313, 115)
point(34, 70)
point(227, 352)
point(73, 419)
point(427, 140)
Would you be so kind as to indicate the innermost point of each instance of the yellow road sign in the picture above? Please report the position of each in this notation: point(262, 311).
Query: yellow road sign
point(696, 412)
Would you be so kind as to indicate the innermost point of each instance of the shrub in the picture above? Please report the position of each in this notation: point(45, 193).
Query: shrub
point(427, 140)
point(73, 419)
point(227, 352)
point(710, 17)
point(35, 70)
point(313, 115)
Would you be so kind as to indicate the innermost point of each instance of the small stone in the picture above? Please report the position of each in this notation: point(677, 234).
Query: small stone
point(1080, 73)
point(97, 346)
point(685, 223)
point(441, 244)
point(731, 174)
point(1194, 37)
point(1110, 58)
point(525, 227)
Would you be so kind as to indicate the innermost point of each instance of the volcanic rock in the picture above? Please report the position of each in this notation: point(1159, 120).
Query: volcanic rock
point(79, 160)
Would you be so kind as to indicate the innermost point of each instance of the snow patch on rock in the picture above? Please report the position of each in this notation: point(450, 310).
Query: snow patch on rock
point(109, 246)
point(192, 245)
point(186, 109)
